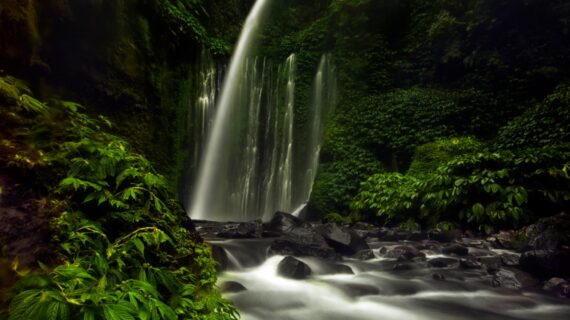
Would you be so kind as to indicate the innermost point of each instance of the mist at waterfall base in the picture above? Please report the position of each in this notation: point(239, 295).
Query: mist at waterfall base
point(375, 291)
point(256, 157)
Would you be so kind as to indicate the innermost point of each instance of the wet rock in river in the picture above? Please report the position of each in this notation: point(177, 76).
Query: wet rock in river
point(404, 253)
point(366, 254)
point(447, 263)
point(232, 287)
point(506, 279)
point(343, 240)
point(455, 249)
point(293, 268)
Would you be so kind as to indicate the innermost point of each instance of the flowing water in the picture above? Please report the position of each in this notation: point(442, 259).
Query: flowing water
point(251, 164)
point(375, 291)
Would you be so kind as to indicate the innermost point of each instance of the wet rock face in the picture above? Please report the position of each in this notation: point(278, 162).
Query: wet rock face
point(283, 222)
point(558, 286)
point(366, 254)
point(345, 241)
point(545, 264)
point(303, 242)
point(232, 287)
point(506, 279)
point(444, 263)
point(403, 253)
point(455, 249)
point(293, 268)
point(241, 230)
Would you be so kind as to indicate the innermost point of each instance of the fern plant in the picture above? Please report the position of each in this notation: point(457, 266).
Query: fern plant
point(122, 253)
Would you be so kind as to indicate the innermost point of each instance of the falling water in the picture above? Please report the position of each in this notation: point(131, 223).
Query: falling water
point(218, 140)
point(203, 107)
point(252, 165)
point(323, 102)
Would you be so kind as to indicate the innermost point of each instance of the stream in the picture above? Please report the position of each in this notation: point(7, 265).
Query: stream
point(381, 287)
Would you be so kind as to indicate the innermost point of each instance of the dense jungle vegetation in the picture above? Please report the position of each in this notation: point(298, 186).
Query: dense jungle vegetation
point(450, 114)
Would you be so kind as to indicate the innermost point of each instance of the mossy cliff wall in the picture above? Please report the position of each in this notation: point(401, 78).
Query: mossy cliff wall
point(133, 61)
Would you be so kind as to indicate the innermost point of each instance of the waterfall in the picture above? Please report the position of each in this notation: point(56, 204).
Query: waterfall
point(218, 141)
point(203, 107)
point(251, 165)
point(323, 102)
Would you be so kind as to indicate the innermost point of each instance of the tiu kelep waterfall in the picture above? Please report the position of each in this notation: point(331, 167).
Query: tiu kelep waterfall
point(254, 161)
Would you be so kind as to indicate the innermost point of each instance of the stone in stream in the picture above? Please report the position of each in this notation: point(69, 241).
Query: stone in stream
point(241, 230)
point(283, 222)
point(403, 253)
point(293, 268)
point(492, 263)
point(456, 249)
point(510, 260)
point(470, 263)
point(342, 269)
point(303, 242)
point(546, 264)
point(366, 254)
point(232, 287)
point(560, 286)
point(345, 241)
point(506, 279)
point(446, 263)
point(221, 256)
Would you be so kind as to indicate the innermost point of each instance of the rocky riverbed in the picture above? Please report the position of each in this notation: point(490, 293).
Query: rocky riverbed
point(290, 269)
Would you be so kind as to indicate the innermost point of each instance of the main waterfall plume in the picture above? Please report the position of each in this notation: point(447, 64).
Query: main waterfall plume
point(251, 165)
point(213, 155)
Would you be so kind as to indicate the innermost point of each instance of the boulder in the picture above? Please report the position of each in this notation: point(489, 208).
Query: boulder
point(470, 263)
point(232, 287)
point(293, 268)
point(403, 253)
point(343, 269)
point(506, 279)
point(303, 242)
point(507, 240)
point(492, 264)
point(345, 241)
point(560, 286)
point(545, 264)
point(283, 222)
point(510, 260)
point(241, 230)
point(548, 233)
point(455, 249)
point(444, 263)
point(366, 254)
point(220, 255)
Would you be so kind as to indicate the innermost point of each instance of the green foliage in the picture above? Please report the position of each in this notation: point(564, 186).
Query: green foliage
point(500, 188)
point(342, 166)
point(486, 190)
point(388, 196)
point(122, 252)
point(399, 121)
point(429, 156)
point(546, 123)
point(182, 19)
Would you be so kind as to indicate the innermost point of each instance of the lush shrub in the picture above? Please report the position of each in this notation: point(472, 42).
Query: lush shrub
point(546, 123)
point(388, 196)
point(483, 190)
point(122, 250)
point(429, 156)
